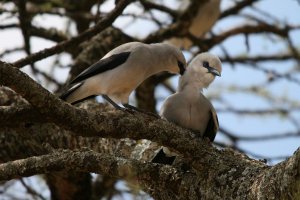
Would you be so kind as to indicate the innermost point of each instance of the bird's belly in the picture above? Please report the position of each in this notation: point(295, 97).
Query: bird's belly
point(194, 118)
point(117, 86)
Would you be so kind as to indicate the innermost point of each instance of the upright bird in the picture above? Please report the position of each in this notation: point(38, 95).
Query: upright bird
point(188, 107)
point(122, 69)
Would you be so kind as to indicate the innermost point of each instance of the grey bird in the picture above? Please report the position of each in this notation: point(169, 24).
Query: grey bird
point(122, 69)
point(206, 16)
point(188, 107)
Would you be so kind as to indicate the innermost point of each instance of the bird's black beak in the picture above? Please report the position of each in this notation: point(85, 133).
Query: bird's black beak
point(182, 70)
point(214, 71)
point(181, 67)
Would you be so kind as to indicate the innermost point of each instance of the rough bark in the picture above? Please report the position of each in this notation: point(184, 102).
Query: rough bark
point(216, 174)
point(278, 182)
point(40, 134)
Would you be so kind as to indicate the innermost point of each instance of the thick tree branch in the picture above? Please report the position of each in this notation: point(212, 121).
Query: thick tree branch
point(37, 128)
point(9, 115)
point(96, 124)
point(144, 173)
point(84, 161)
point(202, 156)
point(286, 173)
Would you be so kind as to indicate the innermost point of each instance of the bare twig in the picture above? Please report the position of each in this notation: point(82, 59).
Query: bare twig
point(150, 5)
point(31, 191)
point(237, 8)
point(240, 137)
point(9, 51)
point(9, 26)
point(100, 26)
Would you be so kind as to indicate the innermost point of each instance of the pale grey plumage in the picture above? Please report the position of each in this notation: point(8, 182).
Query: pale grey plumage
point(122, 69)
point(206, 16)
point(188, 107)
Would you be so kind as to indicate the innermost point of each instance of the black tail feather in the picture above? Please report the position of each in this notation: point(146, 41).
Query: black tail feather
point(81, 100)
point(65, 95)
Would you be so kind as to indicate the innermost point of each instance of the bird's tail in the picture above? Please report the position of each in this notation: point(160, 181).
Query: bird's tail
point(64, 96)
point(76, 94)
point(70, 96)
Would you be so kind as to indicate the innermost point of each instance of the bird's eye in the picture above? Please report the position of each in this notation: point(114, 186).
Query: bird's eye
point(205, 64)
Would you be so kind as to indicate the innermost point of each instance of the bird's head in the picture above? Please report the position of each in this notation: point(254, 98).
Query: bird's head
point(204, 68)
point(174, 59)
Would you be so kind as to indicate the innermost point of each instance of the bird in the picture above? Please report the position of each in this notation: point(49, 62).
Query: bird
point(188, 107)
point(122, 69)
point(206, 16)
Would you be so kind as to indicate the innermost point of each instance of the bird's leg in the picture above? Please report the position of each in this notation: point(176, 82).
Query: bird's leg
point(126, 105)
point(114, 104)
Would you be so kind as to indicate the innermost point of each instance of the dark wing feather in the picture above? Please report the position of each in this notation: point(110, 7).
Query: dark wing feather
point(212, 126)
point(102, 65)
point(65, 95)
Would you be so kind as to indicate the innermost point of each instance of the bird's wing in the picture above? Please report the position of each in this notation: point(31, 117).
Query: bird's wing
point(65, 95)
point(212, 125)
point(102, 65)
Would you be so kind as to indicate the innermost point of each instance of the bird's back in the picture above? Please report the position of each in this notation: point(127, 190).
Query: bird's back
point(127, 47)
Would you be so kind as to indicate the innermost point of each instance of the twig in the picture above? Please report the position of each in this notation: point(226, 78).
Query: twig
point(31, 191)
point(235, 9)
point(150, 5)
point(9, 26)
point(235, 137)
point(75, 161)
point(100, 26)
point(9, 51)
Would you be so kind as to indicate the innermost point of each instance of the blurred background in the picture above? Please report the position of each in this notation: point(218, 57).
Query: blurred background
point(257, 99)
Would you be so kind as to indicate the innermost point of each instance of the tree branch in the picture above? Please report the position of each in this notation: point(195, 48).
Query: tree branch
point(100, 26)
point(143, 173)
point(237, 8)
point(216, 167)
point(206, 44)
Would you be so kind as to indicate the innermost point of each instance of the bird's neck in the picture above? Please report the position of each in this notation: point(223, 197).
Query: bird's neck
point(191, 88)
point(160, 57)
point(191, 84)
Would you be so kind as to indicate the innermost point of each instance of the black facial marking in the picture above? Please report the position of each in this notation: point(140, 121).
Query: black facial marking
point(210, 69)
point(181, 67)
point(206, 64)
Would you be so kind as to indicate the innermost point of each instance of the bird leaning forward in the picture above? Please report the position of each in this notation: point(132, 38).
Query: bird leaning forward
point(188, 107)
point(122, 69)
